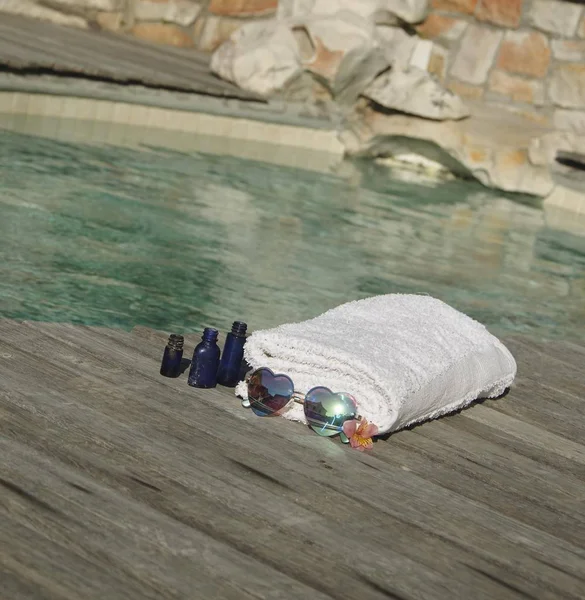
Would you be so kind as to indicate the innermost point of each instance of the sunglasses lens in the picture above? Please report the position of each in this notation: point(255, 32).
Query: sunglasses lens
point(326, 412)
point(269, 393)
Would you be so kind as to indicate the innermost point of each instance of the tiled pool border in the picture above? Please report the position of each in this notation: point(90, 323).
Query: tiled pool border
point(277, 131)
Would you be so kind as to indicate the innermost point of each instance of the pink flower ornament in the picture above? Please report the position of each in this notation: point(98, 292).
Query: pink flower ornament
point(360, 434)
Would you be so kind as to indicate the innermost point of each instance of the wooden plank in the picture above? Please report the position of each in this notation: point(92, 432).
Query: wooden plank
point(272, 508)
point(528, 434)
point(123, 57)
point(27, 44)
point(551, 409)
point(137, 543)
point(417, 519)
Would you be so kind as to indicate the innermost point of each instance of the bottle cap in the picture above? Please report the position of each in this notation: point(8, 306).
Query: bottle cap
point(239, 328)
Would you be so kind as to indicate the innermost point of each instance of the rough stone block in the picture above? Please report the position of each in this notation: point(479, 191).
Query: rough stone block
point(243, 8)
point(516, 88)
point(441, 28)
point(570, 120)
point(101, 5)
point(110, 21)
point(181, 12)
point(261, 56)
point(476, 54)
point(162, 33)
point(466, 91)
point(524, 53)
point(478, 158)
point(569, 50)
point(212, 31)
point(511, 169)
point(513, 172)
point(567, 85)
point(500, 12)
point(533, 115)
point(397, 45)
point(340, 52)
point(560, 18)
point(438, 63)
point(461, 6)
point(373, 11)
point(581, 29)
point(414, 92)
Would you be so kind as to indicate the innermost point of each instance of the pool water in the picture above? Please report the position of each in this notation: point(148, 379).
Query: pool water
point(176, 241)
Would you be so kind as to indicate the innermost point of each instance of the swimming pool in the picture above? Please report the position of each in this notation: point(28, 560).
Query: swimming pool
point(174, 240)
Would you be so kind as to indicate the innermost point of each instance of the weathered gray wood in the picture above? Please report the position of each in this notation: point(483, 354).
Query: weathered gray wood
point(118, 483)
point(28, 44)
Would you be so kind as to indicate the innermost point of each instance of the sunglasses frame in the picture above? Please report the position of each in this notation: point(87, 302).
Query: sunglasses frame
point(297, 398)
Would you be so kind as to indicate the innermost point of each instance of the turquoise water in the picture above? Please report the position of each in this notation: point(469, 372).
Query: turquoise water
point(175, 241)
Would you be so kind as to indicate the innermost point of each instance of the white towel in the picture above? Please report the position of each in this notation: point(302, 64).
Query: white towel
point(405, 358)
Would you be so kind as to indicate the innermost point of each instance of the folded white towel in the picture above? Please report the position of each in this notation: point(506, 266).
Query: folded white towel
point(405, 358)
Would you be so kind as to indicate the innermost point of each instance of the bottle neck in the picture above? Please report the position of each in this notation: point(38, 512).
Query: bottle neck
point(209, 335)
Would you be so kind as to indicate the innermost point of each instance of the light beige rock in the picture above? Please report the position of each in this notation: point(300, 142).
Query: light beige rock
point(445, 30)
point(163, 33)
point(564, 210)
point(260, 57)
point(476, 54)
point(102, 5)
point(397, 45)
point(410, 11)
point(517, 89)
point(414, 91)
point(438, 64)
point(570, 120)
point(513, 172)
point(560, 18)
point(110, 21)
point(28, 8)
point(342, 52)
point(543, 149)
point(524, 53)
point(569, 50)
point(466, 91)
point(421, 55)
point(494, 149)
point(180, 12)
point(211, 31)
point(567, 85)
point(242, 8)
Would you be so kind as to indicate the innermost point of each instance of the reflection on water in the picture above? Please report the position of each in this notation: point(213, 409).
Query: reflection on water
point(176, 241)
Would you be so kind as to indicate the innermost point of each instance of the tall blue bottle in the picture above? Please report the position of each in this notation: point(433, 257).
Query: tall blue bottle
point(233, 354)
point(203, 371)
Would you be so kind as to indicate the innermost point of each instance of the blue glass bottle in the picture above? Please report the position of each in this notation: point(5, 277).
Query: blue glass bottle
point(233, 354)
point(203, 372)
point(172, 356)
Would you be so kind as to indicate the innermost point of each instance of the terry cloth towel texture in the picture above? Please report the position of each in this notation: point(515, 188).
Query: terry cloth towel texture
point(405, 358)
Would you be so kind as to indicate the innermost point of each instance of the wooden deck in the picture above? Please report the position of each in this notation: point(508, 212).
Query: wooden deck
point(31, 46)
point(116, 483)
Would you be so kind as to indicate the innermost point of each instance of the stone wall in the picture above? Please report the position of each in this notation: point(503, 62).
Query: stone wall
point(526, 54)
point(202, 24)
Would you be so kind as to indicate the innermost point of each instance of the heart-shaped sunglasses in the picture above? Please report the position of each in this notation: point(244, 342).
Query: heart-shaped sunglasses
point(327, 413)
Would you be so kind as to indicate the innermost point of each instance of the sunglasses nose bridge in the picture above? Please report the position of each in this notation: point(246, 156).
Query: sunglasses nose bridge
point(298, 398)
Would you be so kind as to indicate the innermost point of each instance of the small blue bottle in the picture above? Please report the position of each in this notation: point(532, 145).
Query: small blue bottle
point(233, 355)
point(203, 372)
point(173, 354)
